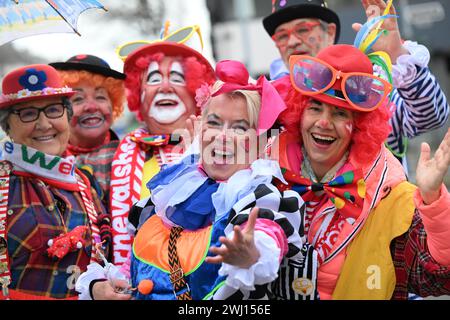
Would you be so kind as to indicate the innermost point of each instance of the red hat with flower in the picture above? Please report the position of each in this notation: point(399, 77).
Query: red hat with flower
point(33, 82)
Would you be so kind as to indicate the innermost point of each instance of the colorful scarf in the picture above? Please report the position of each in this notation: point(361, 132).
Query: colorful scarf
point(54, 170)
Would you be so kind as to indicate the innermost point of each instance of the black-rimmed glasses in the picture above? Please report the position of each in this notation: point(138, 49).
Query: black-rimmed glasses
point(30, 114)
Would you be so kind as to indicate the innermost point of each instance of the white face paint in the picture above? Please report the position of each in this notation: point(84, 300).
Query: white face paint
point(154, 76)
point(349, 127)
point(177, 74)
point(166, 108)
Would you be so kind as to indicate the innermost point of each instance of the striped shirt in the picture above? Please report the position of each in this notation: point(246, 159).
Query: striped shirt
point(421, 107)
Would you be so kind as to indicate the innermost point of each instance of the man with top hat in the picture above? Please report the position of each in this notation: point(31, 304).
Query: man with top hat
point(161, 81)
point(50, 216)
point(304, 27)
point(98, 101)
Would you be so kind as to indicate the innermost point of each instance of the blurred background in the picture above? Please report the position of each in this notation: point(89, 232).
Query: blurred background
point(231, 29)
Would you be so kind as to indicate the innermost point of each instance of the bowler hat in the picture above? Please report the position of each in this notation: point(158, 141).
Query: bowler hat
point(287, 10)
point(89, 63)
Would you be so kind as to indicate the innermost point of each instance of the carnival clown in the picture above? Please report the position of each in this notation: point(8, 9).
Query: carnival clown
point(98, 101)
point(373, 234)
point(162, 79)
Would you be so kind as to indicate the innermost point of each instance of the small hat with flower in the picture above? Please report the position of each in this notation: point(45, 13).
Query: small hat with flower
point(33, 82)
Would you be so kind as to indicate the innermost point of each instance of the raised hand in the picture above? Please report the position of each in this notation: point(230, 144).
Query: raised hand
point(430, 172)
point(241, 250)
point(391, 42)
point(194, 128)
point(193, 125)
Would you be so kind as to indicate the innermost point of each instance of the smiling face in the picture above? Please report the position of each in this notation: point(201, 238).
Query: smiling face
point(165, 102)
point(49, 136)
point(92, 115)
point(226, 137)
point(326, 132)
point(314, 41)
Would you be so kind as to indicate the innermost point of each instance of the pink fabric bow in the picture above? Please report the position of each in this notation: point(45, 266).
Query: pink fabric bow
point(235, 76)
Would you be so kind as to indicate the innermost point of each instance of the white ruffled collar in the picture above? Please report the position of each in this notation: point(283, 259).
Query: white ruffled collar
point(239, 185)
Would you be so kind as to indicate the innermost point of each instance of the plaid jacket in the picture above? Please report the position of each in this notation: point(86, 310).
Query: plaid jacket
point(37, 213)
point(415, 268)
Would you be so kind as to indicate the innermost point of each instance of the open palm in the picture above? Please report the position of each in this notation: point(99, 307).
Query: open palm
point(240, 251)
point(431, 171)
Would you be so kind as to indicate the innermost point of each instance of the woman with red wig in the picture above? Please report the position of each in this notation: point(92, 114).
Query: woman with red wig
point(373, 235)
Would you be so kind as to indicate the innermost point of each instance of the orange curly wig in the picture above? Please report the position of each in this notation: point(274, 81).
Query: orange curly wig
point(114, 87)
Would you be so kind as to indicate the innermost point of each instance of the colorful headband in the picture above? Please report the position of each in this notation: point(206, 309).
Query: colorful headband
point(235, 77)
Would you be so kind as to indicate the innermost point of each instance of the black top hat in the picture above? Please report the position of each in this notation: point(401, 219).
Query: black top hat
point(288, 10)
point(88, 63)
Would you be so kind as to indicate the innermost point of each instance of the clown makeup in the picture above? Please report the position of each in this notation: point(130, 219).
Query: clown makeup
point(349, 127)
point(227, 137)
point(326, 132)
point(165, 102)
point(47, 135)
point(92, 116)
point(320, 37)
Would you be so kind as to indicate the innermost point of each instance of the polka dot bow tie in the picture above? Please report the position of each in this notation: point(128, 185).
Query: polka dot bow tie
point(346, 192)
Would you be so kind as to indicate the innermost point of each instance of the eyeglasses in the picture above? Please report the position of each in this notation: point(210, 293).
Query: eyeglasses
point(362, 91)
point(301, 31)
point(179, 36)
point(52, 111)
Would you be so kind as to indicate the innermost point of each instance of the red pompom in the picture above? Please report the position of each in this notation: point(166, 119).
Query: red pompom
point(145, 287)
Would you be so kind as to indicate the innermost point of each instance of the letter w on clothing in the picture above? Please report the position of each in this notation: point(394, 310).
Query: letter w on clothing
point(38, 156)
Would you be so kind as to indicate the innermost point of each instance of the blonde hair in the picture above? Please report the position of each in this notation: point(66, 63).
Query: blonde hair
point(252, 98)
